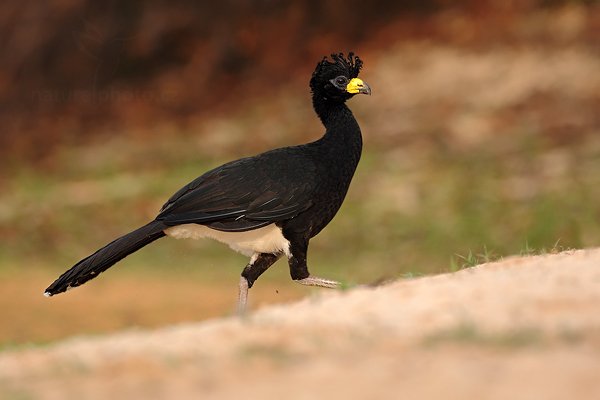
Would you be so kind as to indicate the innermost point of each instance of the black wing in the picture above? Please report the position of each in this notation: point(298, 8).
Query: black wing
point(246, 194)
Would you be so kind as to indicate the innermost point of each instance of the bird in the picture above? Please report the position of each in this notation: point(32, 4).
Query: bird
point(266, 206)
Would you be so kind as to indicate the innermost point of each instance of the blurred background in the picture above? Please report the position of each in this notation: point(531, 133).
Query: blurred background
point(482, 140)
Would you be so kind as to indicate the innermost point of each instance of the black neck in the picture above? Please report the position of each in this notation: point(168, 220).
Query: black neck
point(330, 110)
point(342, 130)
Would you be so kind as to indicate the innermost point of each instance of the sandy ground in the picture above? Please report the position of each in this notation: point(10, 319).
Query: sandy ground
point(522, 328)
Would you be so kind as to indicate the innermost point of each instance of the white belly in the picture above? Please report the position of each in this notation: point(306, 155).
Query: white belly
point(268, 239)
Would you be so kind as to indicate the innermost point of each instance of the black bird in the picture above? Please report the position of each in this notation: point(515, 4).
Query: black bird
point(266, 206)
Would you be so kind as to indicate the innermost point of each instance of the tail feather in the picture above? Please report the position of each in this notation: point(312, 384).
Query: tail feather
point(106, 257)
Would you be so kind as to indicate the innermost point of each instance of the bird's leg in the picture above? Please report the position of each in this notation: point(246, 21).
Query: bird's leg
point(242, 296)
point(258, 264)
point(299, 268)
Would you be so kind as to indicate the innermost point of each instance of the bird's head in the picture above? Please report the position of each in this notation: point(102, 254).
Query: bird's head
point(337, 79)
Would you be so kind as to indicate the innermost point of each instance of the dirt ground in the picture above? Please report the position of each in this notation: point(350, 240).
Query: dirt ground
point(521, 328)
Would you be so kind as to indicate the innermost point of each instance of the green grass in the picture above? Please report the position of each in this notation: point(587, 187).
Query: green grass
point(471, 259)
point(527, 250)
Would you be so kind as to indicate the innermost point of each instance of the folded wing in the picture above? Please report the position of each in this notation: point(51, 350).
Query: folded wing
point(245, 194)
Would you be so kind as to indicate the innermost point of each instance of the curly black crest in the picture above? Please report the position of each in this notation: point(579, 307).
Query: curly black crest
point(340, 64)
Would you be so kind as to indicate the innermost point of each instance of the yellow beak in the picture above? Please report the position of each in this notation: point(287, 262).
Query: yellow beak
point(356, 86)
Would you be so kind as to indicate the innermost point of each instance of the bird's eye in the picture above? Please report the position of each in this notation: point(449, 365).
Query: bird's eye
point(341, 80)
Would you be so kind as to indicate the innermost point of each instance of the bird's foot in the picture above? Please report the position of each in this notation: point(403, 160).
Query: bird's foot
point(315, 281)
point(310, 281)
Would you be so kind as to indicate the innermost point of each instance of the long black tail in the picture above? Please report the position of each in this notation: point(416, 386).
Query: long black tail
point(106, 257)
